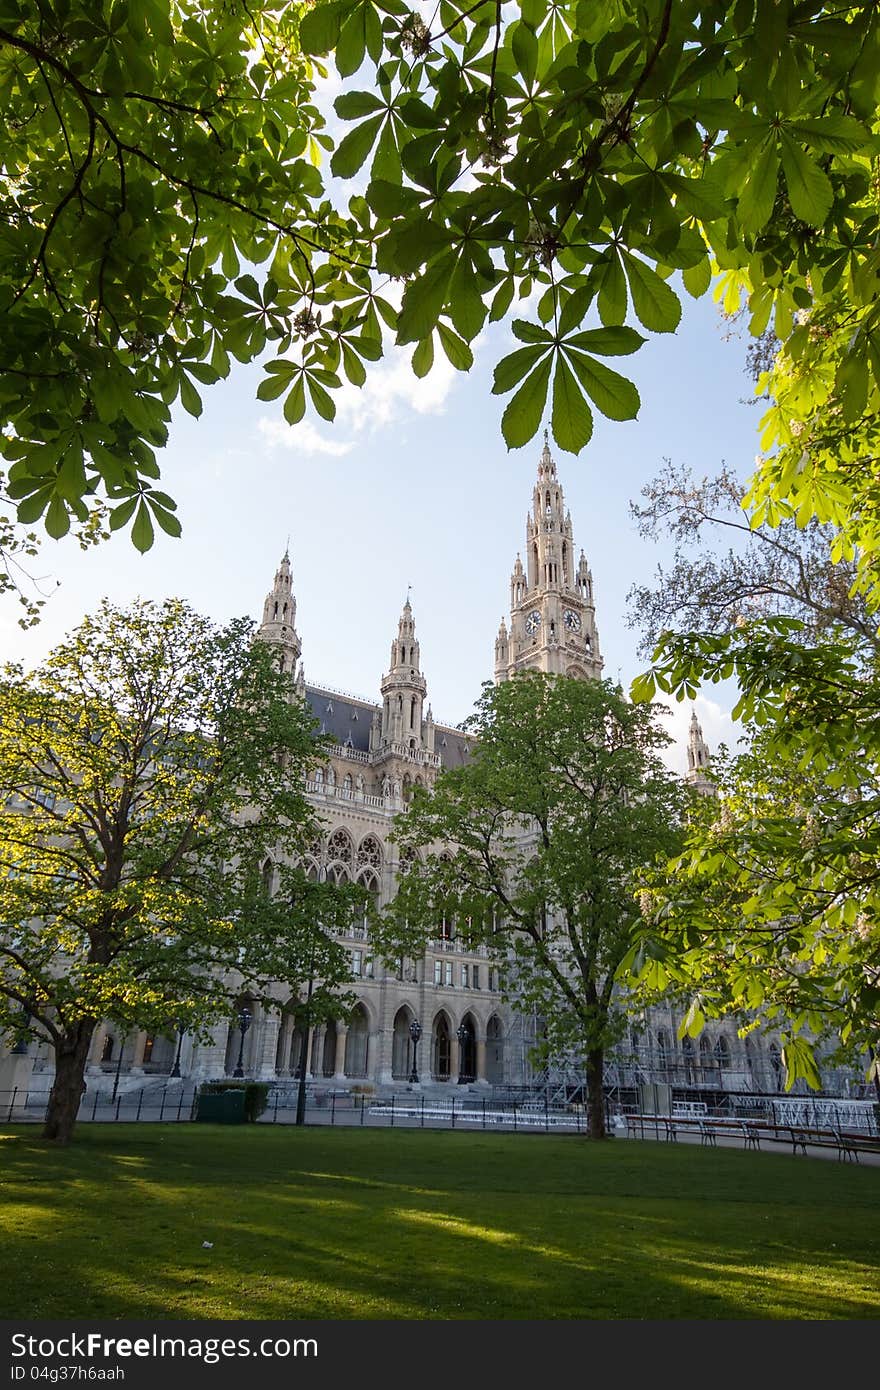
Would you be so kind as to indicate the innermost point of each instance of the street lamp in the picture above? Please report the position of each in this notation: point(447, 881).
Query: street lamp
point(415, 1032)
point(181, 1029)
point(244, 1023)
point(462, 1034)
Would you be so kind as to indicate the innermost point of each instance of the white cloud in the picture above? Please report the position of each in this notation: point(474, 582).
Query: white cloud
point(390, 390)
point(303, 437)
point(715, 721)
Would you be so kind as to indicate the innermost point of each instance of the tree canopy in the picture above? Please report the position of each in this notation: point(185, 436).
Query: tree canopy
point(531, 848)
point(772, 908)
point(572, 166)
point(151, 814)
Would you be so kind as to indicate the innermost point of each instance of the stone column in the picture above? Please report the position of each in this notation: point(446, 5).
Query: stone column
point(209, 1059)
point(454, 1057)
point(266, 1046)
point(341, 1035)
point(481, 1060)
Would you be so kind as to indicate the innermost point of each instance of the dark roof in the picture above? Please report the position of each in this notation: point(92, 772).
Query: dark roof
point(342, 717)
point(347, 719)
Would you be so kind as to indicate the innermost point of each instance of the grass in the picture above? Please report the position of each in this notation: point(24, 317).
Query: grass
point(350, 1223)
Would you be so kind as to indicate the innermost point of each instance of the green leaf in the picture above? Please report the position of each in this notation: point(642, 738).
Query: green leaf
point(525, 51)
point(351, 106)
point(809, 189)
point(697, 278)
point(759, 191)
point(513, 368)
point(57, 519)
point(456, 349)
point(351, 44)
point(502, 300)
point(423, 356)
point(295, 405)
point(142, 533)
point(530, 332)
point(616, 397)
point(189, 397)
point(423, 302)
point(353, 366)
point(271, 387)
point(319, 28)
point(521, 419)
point(352, 151)
point(656, 305)
point(321, 399)
point(572, 418)
point(608, 342)
point(120, 516)
point(168, 522)
point(833, 133)
point(612, 300)
point(466, 307)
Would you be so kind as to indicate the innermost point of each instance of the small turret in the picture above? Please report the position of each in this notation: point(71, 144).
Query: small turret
point(279, 618)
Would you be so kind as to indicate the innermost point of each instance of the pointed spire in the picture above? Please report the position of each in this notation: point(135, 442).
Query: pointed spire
point(698, 754)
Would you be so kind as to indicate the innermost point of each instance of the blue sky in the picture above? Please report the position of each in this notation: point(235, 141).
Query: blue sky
point(412, 485)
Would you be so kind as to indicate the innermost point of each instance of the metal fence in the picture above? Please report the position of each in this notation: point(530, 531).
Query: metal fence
point(172, 1104)
point(179, 1103)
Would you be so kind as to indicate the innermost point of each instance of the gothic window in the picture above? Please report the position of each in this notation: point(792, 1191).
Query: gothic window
point(267, 878)
point(663, 1049)
point(148, 1050)
point(340, 846)
point(465, 977)
point(357, 958)
point(705, 1056)
point(370, 852)
point(722, 1052)
point(441, 1050)
point(346, 786)
point(107, 1049)
point(438, 972)
point(448, 979)
point(687, 1052)
point(476, 975)
point(319, 777)
point(356, 1043)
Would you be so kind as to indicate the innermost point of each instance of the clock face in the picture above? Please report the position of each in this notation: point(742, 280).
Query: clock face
point(533, 622)
point(572, 620)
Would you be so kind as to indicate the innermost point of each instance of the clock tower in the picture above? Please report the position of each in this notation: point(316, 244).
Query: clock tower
point(552, 617)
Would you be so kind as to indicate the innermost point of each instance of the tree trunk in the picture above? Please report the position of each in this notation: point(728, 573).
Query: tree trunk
point(596, 1094)
point(71, 1053)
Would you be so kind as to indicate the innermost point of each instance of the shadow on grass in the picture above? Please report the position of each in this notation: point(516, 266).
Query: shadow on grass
point(347, 1224)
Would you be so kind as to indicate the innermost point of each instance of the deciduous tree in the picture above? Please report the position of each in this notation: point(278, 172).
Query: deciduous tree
point(583, 158)
point(532, 846)
point(150, 770)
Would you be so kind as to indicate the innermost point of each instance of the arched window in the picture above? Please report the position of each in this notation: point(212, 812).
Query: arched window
point(356, 1043)
point(722, 1052)
point(346, 786)
point(494, 1051)
point(339, 846)
point(663, 1050)
point(107, 1049)
point(441, 1048)
point(370, 852)
point(319, 777)
point(690, 1070)
point(267, 878)
point(705, 1058)
point(401, 1045)
point(467, 1054)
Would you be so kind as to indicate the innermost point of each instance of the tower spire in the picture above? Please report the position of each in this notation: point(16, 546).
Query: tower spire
point(403, 686)
point(279, 617)
point(552, 618)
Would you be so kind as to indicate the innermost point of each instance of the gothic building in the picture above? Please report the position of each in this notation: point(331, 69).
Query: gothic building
point(381, 751)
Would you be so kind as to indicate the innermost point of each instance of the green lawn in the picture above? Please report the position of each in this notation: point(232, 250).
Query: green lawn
point(350, 1223)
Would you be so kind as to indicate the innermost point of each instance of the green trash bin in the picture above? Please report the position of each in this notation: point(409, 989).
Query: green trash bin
point(221, 1107)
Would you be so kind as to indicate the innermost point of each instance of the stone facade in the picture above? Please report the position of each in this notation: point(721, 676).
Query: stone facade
point(384, 749)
